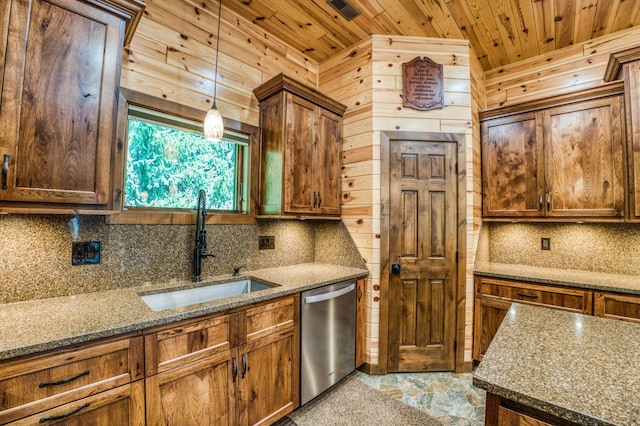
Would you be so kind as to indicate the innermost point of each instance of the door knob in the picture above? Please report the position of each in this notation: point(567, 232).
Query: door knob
point(395, 268)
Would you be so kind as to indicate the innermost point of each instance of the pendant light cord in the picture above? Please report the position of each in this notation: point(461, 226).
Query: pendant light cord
point(215, 86)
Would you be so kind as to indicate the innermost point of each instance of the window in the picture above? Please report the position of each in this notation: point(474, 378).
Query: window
point(169, 160)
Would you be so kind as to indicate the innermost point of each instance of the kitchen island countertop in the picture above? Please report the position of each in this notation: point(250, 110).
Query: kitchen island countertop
point(43, 324)
point(577, 367)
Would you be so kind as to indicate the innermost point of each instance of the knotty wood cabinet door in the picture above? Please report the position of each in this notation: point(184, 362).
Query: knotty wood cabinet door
point(59, 103)
point(584, 159)
point(624, 307)
point(268, 377)
point(513, 166)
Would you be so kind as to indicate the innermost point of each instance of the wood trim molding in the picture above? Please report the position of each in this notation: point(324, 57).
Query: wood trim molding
point(617, 60)
point(130, 10)
point(608, 89)
point(282, 82)
point(385, 139)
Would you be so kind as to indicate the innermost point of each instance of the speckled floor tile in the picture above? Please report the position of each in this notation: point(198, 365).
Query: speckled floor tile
point(449, 397)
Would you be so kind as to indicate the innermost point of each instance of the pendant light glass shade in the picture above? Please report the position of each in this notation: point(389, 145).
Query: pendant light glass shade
point(213, 125)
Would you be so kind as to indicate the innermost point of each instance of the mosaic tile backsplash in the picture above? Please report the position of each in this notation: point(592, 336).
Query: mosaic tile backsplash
point(35, 252)
point(598, 247)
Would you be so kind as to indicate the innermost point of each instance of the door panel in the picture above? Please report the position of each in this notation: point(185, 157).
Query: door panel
point(423, 239)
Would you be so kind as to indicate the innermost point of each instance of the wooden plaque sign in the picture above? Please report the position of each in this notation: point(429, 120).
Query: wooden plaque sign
point(422, 84)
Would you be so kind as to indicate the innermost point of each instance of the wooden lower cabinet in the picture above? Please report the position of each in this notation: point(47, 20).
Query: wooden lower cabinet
point(493, 298)
point(238, 368)
point(617, 306)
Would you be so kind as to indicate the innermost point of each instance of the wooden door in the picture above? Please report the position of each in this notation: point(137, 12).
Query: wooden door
point(298, 155)
point(199, 393)
point(59, 103)
point(269, 378)
point(584, 152)
point(326, 163)
point(423, 241)
point(512, 167)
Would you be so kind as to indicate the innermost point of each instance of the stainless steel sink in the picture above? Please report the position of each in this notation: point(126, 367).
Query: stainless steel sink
point(191, 296)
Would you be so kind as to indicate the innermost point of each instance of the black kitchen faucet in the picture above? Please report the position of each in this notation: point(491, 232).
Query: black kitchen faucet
point(200, 250)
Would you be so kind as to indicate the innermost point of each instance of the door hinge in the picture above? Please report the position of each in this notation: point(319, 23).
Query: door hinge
point(456, 168)
point(457, 257)
point(455, 346)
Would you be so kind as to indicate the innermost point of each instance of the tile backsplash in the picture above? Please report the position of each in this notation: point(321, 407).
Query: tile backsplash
point(35, 252)
point(599, 247)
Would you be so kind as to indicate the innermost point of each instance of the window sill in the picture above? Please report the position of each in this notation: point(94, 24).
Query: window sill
point(177, 218)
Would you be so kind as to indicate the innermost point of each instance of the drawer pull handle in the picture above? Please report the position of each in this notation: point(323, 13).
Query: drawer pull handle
point(315, 199)
point(234, 368)
point(244, 365)
point(65, 415)
point(319, 200)
point(528, 296)
point(64, 381)
point(5, 171)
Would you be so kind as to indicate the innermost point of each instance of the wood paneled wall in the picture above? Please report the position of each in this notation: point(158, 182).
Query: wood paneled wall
point(172, 56)
point(576, 67)
point(368, 79)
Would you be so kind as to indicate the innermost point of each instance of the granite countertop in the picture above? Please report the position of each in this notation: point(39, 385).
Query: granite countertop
point(43, 324)
point(577, 367)
point(567, 277)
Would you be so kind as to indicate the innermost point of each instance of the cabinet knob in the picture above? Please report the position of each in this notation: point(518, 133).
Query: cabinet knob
point(395, 268)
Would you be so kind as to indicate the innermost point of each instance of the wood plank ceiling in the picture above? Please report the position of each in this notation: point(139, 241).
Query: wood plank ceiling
point(501, 32)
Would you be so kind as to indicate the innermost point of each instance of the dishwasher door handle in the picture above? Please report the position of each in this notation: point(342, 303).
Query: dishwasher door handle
point(331, 295)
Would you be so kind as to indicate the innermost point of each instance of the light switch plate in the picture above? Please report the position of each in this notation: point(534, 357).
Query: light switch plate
point(85, 253)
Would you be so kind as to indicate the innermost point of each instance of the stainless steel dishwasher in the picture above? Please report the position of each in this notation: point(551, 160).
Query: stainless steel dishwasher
point(327, 338)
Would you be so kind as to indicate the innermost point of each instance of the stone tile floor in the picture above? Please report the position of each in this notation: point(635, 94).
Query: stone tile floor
point(449, 397)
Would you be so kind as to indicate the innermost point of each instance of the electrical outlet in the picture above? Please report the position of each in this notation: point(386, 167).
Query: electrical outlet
point(266, 242)
point(85, 253)
point(546, 244)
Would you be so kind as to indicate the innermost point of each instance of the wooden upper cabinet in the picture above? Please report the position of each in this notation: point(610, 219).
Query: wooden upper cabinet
point(512, 166)
point(561, 157)
point(625, 65)
point(300, 136)
point(61, 74)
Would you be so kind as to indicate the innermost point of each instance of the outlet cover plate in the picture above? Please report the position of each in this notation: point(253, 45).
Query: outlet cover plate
point(266, 242)
point(546, 244)
point(85, 253)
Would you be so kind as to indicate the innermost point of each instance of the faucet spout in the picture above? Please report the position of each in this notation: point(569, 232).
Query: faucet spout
point(200, 250)
point(236, 270)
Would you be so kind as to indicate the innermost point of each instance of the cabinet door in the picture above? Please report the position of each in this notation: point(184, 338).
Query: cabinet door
point(199, 393)
point(123, 405)
point(512, 167)
point(58, 110)
point(632, 104)
point(584, 152)
point(326, 163)
point(269, 377)
point(298, 155)
point(488, 317)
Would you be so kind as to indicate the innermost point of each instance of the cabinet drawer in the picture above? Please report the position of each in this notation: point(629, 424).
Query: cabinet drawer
point(535, 294)
point(190, 341)
point(271, 317)
point(123, 405)
point(617, 306)
point(28, 385)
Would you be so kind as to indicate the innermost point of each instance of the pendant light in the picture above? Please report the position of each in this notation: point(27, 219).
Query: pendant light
point(213, 125)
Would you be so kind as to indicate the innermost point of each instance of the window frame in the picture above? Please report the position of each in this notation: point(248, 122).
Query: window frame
point(155, 215)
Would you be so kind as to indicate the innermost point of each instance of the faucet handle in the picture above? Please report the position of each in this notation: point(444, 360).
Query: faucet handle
point(236, 270)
